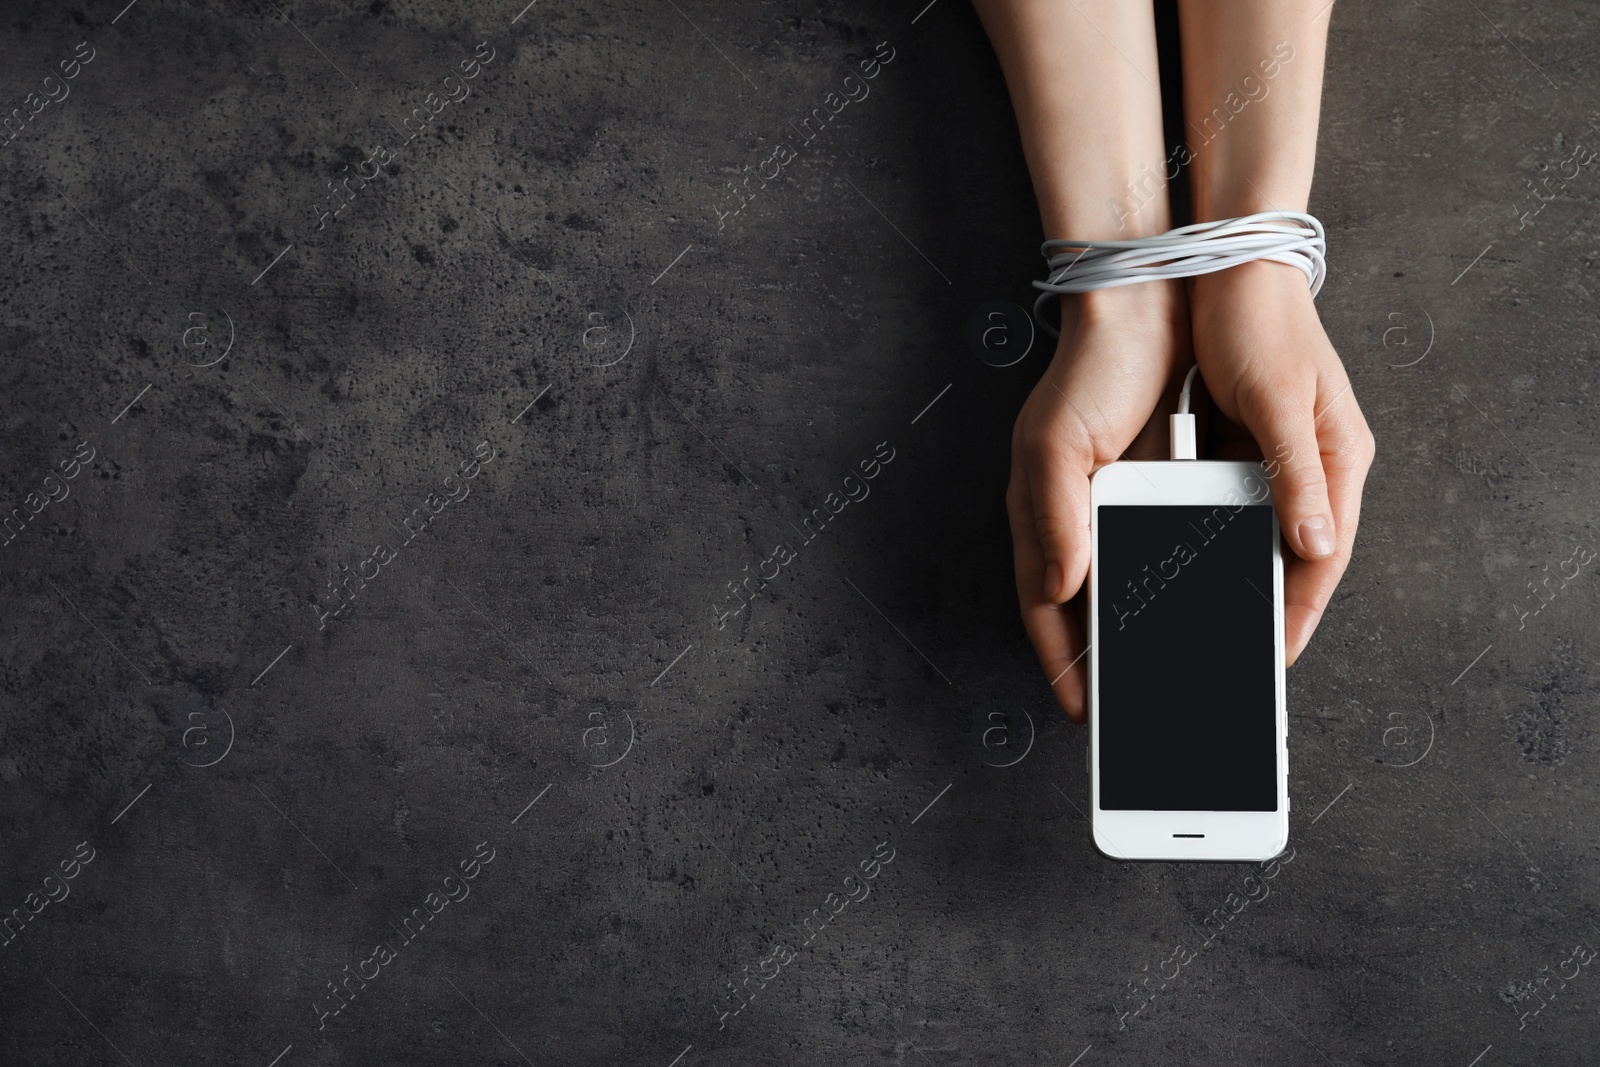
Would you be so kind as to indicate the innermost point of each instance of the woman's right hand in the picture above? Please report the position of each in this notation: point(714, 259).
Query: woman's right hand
point(1114, 378)
point(1270, 368)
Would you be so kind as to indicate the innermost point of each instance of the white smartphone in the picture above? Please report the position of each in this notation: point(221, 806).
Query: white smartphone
point(1188, 742)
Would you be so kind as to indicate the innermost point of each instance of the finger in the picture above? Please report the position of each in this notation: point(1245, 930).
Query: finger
point(1054, 629)
point(1280, 414)
point(1056, 468)
point(1069, 681)
point(1347, 450)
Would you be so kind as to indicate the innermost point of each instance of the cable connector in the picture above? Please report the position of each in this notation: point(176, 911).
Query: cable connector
point(1182, 424)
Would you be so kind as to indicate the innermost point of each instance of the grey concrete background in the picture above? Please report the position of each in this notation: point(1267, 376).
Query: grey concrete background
point(265, 799)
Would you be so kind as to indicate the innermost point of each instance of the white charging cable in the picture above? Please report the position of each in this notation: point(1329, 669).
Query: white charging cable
point(1293, 238)
point(1182, 424)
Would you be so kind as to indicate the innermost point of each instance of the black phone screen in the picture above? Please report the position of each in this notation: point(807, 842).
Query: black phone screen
point(1187, 716)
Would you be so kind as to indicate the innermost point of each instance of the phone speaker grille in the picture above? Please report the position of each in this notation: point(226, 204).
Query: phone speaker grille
point(1188, 835)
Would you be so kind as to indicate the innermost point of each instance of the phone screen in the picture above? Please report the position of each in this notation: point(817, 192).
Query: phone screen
point(1188, 700)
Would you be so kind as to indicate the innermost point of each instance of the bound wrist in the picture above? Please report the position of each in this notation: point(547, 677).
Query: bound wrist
point(1261, 275)
point(1155, 305)
point(1262, 285)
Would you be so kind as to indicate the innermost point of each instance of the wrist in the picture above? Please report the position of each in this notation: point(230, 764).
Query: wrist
point(1151, 318)
point(1155, 306)
point(1262, 275)
point(1259, 285)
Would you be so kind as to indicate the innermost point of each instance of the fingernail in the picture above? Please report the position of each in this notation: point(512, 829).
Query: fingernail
point(1052, 580)
point(1316, 534)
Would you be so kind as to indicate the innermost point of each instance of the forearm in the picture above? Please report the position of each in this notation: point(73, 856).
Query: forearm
point(1082, 77)
point(1252, 87)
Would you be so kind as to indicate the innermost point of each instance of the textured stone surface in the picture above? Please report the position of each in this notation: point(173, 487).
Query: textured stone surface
point(553, 636)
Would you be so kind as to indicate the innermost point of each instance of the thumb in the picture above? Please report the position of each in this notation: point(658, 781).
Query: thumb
point(1282, 425)
point(1059, 487)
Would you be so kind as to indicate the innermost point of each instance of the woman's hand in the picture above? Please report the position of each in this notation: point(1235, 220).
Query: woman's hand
point(1269, 367)
point(1122, 353)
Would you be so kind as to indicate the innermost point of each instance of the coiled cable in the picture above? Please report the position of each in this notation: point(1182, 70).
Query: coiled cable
point(1290, 237)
